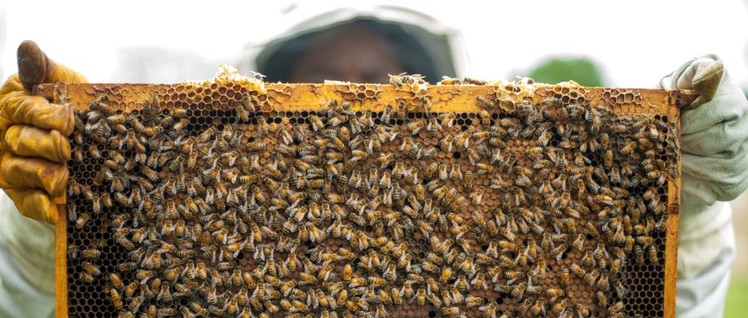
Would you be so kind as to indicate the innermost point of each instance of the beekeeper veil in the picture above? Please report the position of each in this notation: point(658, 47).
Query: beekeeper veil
point(424, 45)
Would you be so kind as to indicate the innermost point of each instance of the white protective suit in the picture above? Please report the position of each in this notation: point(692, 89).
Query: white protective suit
point(713, 145)
point(27, 273)
point(714, 171)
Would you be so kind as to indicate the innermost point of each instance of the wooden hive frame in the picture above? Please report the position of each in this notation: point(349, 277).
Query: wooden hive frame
point(371, 97)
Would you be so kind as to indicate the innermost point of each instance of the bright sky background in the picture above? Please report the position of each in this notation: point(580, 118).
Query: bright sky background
point(637, 42)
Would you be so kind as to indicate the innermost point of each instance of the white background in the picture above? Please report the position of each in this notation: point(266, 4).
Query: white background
point(636, 42)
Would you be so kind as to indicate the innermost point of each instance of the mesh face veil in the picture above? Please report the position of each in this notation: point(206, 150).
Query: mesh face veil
point(425, 45)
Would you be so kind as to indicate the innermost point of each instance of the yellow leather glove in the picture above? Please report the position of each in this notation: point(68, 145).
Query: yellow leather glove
point(33, 136)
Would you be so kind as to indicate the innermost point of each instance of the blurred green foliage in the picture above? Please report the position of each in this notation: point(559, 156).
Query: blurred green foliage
point(555, 69)
point(737, 297)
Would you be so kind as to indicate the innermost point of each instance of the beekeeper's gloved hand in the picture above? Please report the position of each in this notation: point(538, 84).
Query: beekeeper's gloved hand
point(714, 134)
point(33, 136)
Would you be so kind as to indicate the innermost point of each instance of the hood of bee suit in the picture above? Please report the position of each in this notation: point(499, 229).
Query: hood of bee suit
point(424, 45)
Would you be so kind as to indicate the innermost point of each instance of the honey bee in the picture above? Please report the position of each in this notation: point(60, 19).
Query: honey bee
point(470, 301)
point(116, 299)
point(81, 220)
point(357, 155)
point(126, 266)
point(85, 277)
point(489, 310)
point(652, 253)
point(150, 174)
point(116, 281)
point(91, 269)
point(442, 171)
point(165, 293)
point(628, 148)
point(608, 159)
point(600, 251)
point(446, 272)
point(342, 295)
point(447, 119)
point(484, 168)
point(316, 122)
point(399, 80)
point(152, 131)
point(455, 172)
point(263, 128)
point(560, 306)
point(519, 290)
point(645, 240)
point(325, 273)
point(462, 141)
point(479, 281)
point(558, 252)
point(197, 308)
point(601, 298)
point(577, 270)
point(615, 308)
point(581, 310)
point(537, 307)
point(450, 311)
point(91, 253)
point(473, 156)
point(116, 119)
point(415, 126)
point(468, 180)
point(591, 277)
point(420, 296)
point(603, 282)
point(565, 277)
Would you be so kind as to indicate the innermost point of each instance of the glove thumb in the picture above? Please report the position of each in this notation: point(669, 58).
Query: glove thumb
point(34, 67)
point(703, 75)
point(35, 204)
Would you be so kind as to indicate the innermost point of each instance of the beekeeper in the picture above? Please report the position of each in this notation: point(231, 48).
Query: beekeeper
point(361, 45)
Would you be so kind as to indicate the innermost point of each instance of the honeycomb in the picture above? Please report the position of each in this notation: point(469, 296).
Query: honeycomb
point(235, 198)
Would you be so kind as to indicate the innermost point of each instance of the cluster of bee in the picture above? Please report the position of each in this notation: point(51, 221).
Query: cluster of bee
point(348, 213)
